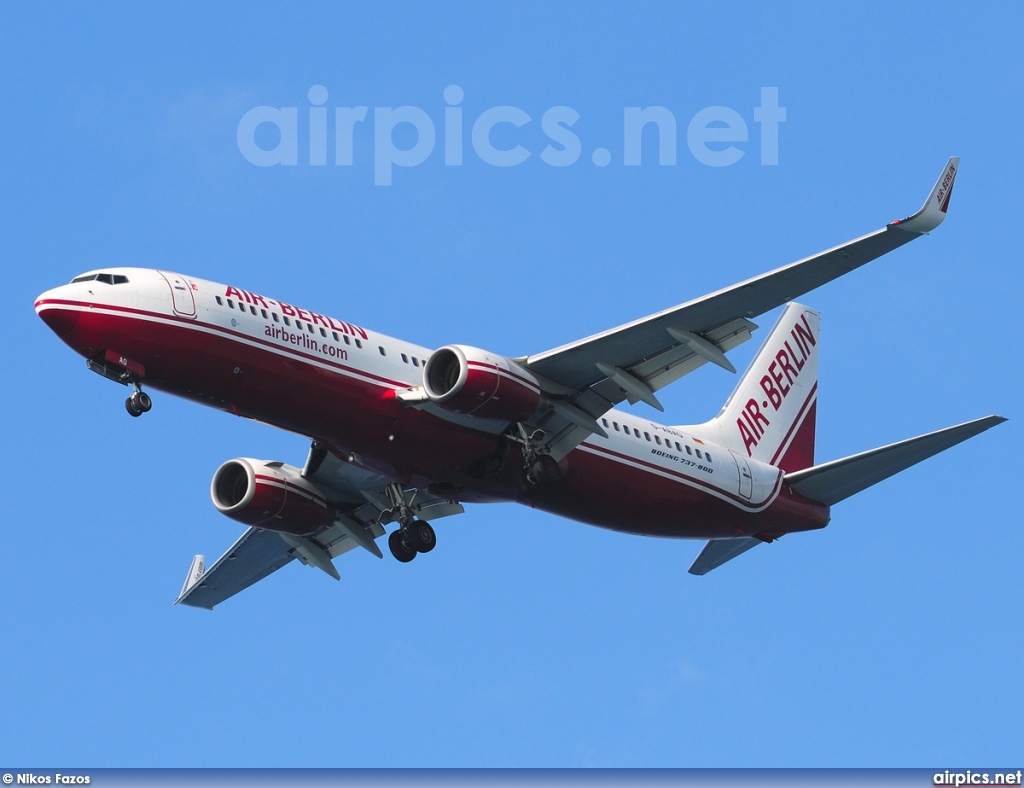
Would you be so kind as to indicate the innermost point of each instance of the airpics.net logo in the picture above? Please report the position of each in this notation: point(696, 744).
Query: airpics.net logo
point(273, 136)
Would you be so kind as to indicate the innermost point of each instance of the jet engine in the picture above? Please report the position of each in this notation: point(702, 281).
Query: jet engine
point(269, 495)
point(473, 382)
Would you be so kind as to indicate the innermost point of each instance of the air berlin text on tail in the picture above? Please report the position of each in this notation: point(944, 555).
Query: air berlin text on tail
point(777, 383)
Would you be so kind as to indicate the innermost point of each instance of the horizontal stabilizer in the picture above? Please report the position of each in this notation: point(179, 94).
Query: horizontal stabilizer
point(717, 551)
point(835, 481)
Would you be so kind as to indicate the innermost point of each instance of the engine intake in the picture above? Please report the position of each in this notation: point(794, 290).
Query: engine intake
point(473, 382)
point(269, 495)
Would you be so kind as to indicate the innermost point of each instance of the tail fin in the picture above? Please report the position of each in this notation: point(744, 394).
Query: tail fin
point(771, 415)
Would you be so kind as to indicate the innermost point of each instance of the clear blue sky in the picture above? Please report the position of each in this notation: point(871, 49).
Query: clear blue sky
point(891, 638)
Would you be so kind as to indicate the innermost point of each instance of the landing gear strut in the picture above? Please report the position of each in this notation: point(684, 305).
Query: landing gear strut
point(139, 402)
point(413, 536)
point(539, 468)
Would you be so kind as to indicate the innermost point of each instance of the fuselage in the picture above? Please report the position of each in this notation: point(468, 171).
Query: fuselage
point(336, 383)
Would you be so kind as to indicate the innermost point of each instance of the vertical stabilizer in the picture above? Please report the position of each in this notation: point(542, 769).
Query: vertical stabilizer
point(770, 416)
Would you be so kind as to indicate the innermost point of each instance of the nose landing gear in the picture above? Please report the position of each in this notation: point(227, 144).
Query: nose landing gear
point(139, 402)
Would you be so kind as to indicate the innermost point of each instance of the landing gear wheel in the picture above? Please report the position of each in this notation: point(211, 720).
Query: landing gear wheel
point(543, 471)
point(422, 536)
point(399, 549)
point(132, 408)
point(138, 403)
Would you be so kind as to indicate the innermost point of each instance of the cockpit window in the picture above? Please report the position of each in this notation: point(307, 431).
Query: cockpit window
point(108, 279)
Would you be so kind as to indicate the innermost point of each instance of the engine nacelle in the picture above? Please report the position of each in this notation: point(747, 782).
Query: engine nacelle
point(269, 495)
point(473, 382)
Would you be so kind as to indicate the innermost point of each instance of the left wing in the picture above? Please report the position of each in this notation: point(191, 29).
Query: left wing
point(359, 500)
point(585, 379)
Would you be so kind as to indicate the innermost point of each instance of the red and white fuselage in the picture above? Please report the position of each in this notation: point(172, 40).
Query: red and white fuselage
point(342, 386)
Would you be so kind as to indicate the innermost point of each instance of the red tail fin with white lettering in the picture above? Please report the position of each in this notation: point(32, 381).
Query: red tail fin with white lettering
point(770, 416)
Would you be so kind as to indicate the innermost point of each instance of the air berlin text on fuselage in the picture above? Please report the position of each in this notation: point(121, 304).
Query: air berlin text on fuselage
point(778, 381)
point(299, 314)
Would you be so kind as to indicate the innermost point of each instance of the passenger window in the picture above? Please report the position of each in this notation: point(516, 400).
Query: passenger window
point(657, 440)
point(636, 431)
point(253, 310)
point(707, 456)
point(298, 324)
point(347, 342)
point(287, 321)
point(231, 304)
point(219, 301)
point(415, 361)
point(647, 436)
point(241, 306)
point(615, 426)
point(405, 358)
point(264, 313)
point(381, 349)
point(678, 447)
point(698, 454)
point(323, 333)
point(359, 344)
point(688, 450)
point(335, 335)
point(604, 422)
point(276, 318)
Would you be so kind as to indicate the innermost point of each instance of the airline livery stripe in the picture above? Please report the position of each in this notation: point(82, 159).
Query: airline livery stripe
point(506, 373)
point(668, 473)
point(213, 328)
point(273, 481)
point(797, 423)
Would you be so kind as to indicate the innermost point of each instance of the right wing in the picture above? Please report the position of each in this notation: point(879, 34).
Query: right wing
point(585, 379)
point(358, 496)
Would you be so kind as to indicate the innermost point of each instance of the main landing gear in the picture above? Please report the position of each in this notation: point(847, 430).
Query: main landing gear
point(139, 402)
point(413, 536)
point(539, 468)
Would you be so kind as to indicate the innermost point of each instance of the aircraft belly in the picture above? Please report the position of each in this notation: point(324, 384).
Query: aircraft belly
point(350, 410)
point(600, 491)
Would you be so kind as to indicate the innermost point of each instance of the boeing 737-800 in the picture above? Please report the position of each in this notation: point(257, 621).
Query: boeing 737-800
point(404, 435)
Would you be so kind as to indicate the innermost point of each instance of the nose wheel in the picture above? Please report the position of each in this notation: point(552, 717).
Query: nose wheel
point(138, 403)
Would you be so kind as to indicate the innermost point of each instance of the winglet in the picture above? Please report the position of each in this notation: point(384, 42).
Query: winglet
point(934, 209)
point(195, 572)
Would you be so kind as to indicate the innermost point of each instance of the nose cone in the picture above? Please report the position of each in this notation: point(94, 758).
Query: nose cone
point(55, 309)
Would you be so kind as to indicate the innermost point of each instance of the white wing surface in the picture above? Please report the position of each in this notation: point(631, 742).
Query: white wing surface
point(585, 379)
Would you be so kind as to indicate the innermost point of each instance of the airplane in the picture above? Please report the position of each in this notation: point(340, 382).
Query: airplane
point(404, 435)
